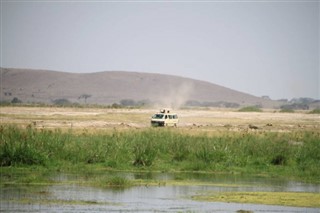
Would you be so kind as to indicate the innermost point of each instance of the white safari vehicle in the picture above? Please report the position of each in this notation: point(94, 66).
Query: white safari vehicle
point(164, 118)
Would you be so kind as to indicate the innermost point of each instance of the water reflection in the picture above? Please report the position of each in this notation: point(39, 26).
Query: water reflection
point(69, 197)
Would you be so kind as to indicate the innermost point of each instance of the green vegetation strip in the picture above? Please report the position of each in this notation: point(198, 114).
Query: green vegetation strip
point(294, 154)
point(297, 199)
point(44, 201)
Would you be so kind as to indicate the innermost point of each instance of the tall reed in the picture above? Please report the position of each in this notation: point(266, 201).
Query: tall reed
point(293, 154)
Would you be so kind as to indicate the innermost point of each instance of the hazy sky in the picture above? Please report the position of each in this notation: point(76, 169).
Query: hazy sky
point(258, 47)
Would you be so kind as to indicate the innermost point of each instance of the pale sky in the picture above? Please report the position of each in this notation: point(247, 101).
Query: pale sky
point(258, 47)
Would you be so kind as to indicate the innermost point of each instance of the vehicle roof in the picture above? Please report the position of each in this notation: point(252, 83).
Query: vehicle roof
point(165, 113)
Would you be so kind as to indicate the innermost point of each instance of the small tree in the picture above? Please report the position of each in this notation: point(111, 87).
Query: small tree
point(84, 96)
point(16, 100)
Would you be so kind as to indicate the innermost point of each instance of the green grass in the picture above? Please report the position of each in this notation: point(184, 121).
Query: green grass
point(162, 149)
point(300, 199)
point(112, 182)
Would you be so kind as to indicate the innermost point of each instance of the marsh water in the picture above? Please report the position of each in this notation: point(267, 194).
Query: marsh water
point(67, 195)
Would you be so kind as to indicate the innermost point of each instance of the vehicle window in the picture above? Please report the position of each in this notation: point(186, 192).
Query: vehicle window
point(158, 116)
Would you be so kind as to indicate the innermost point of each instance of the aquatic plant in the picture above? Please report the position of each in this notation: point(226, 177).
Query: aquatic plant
point(115, 182)
point(144, 150)
point(289, 154)
point(301, 199)
point(20, 147)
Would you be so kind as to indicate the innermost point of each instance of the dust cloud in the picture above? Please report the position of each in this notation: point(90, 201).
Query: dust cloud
point(176, 96)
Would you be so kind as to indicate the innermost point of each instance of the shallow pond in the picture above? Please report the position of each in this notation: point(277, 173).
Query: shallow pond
point(173, 194)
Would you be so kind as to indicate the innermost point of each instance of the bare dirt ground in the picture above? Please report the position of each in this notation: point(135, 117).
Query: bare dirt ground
point(209, 120)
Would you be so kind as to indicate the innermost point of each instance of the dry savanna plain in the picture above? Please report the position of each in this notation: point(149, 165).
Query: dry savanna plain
point(191, 121)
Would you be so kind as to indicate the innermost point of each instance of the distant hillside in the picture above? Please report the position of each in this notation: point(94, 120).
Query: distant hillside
point(33, 86)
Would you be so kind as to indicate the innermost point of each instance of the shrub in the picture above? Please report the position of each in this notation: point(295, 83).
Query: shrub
point(127, 102)
point(297, 106)
point(16, 100)
point(315, 111)
point(62, 102)
point(286, 110)
point(250, 109)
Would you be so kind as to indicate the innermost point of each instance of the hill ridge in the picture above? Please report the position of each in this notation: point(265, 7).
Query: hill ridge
point(108, 87)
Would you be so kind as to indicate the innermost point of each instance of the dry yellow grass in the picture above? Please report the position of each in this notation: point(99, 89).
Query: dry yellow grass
point(211, 120)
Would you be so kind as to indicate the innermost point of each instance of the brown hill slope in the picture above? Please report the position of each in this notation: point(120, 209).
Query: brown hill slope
point(112, 87)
